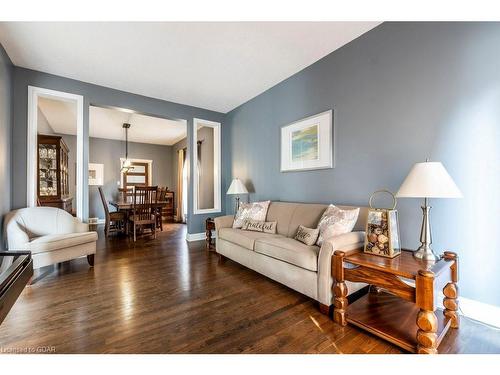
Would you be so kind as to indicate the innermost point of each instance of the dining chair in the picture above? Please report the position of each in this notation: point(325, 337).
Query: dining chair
point(126, 193)
point(114, 221)
point(162, 193)
point(144, 208)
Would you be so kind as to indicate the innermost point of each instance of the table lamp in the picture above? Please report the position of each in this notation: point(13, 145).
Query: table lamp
point(428, 180)
point(236, 188)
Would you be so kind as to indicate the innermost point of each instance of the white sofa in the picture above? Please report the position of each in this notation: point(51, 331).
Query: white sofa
point(52, 235)
point(306, 269)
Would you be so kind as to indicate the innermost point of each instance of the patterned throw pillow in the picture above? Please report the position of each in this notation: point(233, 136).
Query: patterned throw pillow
point(254, 211)
point(336, 221)
point(307, 235)
point(260, 226)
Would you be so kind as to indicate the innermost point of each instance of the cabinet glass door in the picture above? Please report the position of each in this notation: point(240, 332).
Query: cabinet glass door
point(47, 170)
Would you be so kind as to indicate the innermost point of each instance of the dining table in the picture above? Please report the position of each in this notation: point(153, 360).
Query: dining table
point(127, 205)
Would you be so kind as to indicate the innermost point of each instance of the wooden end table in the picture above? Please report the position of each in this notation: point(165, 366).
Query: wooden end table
point(209, 227)
point(401, 305)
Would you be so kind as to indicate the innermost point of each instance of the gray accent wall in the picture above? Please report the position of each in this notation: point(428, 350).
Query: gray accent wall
point(97, 95)
point(400, 93)
point(6, 72)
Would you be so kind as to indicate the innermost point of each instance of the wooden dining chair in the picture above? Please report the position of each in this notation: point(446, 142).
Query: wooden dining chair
point(114, 221)
point(126, 193)
point(162, 193)
point(144, 208)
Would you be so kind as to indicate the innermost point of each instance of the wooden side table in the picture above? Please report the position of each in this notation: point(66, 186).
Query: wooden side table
point(401, 306)
point(209, 227)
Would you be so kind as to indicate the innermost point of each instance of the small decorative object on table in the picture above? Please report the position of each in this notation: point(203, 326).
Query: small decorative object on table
point(209, 227)
point(382, 229)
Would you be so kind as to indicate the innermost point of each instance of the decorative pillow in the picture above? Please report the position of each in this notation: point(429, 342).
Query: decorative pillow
point(336, 221)
point(253, 211)
point(307, 235)
point(260, 226)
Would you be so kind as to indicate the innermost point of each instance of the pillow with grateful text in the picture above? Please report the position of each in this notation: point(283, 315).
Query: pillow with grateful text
point(260, 226)
point(336, 221)
point(307, 235)
point(251, 211)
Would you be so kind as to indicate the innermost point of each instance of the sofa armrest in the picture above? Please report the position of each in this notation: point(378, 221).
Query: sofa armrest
point(347, 241)
point(223, 222)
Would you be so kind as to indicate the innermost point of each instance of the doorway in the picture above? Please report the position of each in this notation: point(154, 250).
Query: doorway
point(55, 150)
point(138, 174)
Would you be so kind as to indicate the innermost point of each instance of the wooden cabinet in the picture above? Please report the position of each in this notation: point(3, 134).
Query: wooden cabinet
point(53, 173)
point(168, 210)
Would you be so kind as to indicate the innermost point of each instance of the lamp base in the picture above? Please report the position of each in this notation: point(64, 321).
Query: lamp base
point(425, 252)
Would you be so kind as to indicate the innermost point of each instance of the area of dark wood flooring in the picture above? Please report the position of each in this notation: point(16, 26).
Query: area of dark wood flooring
point(168, 296)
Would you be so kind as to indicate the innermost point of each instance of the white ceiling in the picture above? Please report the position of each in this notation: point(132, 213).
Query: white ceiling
point(216, 66)
point(107, 123)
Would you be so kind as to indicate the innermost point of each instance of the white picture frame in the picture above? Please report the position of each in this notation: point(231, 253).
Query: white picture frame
point(96, 174)
point(307, 144)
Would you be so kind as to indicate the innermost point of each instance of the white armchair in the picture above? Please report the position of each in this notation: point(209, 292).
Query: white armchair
point(52, 235)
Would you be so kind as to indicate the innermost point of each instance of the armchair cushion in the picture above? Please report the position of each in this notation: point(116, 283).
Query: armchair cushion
point(53, 242)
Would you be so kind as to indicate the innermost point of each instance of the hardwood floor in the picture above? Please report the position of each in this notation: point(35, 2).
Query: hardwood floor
point(167, 296)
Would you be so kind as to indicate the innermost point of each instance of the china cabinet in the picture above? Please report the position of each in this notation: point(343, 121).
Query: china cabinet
point(53, 173)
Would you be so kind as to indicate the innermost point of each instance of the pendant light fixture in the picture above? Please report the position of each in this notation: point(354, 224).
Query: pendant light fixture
point(126, 165)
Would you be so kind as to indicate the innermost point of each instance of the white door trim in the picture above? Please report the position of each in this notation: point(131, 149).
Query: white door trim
point(33, 94)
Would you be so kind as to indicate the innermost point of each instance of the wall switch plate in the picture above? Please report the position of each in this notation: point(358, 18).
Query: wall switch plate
point(117, 183)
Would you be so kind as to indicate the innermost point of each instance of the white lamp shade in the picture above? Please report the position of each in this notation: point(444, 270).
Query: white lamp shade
point(428, 180)
point(237, 187)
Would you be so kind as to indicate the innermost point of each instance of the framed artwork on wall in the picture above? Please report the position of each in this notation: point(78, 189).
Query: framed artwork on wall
point(96, 174)
point(307, 144)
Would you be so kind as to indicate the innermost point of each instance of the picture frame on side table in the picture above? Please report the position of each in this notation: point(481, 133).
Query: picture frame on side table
point(307, 144)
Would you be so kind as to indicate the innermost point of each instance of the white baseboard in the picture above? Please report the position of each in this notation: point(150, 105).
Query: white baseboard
point(190, 237)
point(480, 311)
point(99, 221)
point(476, 310)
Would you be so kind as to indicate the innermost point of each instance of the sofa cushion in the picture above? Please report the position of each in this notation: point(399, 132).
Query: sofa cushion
point(53, 242)
point(243, 238)
point(336, 221)
point(307, 236)
point(281, 212)
point(253, 211)
point(290, 251)
point(307, 215)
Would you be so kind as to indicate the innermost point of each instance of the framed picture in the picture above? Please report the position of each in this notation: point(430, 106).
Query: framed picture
point(307, 144)
point(96, 174)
